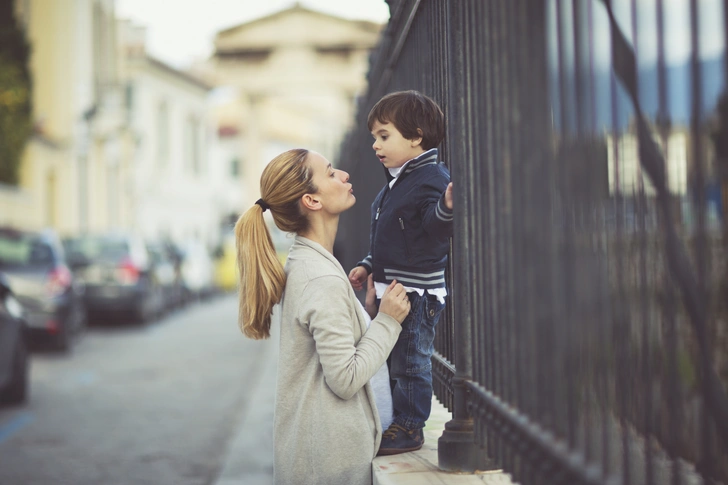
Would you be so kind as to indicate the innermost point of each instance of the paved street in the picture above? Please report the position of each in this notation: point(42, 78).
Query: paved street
point(155, 404)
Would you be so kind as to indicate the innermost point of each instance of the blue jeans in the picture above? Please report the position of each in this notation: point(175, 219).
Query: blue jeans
point(410, 367)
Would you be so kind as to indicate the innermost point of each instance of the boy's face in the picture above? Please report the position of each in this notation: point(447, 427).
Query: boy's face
point(391, 147)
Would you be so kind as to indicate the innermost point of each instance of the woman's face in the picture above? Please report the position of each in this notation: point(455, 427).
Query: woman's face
point(334, 190)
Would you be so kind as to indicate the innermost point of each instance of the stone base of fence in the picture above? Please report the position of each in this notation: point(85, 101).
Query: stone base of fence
point(421, 467)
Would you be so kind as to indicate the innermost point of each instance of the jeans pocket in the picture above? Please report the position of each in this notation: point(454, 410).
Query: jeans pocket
point(430, 316)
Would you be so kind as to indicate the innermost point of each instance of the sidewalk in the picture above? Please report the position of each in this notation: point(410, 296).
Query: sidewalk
point(249, 459)
point(420, 467)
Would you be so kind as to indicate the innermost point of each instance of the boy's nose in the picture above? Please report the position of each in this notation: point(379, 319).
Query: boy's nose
point(374, 145)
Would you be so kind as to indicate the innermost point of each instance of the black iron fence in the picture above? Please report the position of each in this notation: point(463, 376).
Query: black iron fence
point(586, 338)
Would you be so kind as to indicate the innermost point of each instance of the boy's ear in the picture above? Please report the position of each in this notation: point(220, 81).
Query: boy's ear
point(310, 202)
point(417, 141)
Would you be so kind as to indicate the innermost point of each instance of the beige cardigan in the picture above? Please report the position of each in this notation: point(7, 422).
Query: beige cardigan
point(326, 426)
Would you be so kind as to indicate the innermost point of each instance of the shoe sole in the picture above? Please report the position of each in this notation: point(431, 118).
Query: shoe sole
point(396, 451)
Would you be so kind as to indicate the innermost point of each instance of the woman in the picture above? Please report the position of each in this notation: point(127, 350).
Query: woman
point(326, 427)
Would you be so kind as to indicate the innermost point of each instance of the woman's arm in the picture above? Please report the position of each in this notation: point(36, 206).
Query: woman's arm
point(329, 314)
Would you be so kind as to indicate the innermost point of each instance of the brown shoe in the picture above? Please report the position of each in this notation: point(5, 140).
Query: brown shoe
point(397, 439)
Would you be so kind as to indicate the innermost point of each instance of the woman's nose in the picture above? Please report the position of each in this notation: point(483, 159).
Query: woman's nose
point(344, 176)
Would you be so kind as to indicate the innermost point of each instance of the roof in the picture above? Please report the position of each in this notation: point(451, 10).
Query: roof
point(297, 7)
point(197, 82)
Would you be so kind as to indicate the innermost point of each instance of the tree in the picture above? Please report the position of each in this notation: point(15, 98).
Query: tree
point(16, 124)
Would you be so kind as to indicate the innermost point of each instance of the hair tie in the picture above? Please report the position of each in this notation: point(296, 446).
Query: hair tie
point(262, 204)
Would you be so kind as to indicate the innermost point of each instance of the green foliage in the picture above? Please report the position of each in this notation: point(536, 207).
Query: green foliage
point(16, 123)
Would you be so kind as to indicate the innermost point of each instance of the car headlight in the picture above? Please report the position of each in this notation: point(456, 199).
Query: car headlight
point(14, 307)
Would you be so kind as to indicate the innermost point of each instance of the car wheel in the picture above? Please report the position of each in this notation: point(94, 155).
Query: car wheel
point(17, 391)
point(81, 319)
point(62, 341)
point(142, 313)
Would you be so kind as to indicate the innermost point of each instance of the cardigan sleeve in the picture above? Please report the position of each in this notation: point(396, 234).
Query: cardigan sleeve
point(327, 310)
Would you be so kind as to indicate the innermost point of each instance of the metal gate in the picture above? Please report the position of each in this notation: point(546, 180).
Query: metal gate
point(586, 336)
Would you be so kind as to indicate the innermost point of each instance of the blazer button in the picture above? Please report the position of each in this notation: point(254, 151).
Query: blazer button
point(432, 312)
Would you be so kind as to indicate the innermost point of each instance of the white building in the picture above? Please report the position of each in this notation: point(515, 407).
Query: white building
point(625, 170)
point(175, 189)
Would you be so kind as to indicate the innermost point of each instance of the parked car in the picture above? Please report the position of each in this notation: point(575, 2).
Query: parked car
point(226, 268)
point(166, 264)
point(198, 271)
point(35, 266)
point(14, 362)
point(120, 275)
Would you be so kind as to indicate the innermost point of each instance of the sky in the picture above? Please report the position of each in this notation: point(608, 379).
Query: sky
point(711, 40)
point(181, 31)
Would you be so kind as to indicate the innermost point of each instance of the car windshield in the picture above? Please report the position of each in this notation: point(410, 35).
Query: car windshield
point(19, 250)
point(98, 248)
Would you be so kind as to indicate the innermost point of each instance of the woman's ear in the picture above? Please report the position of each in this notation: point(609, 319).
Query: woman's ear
point(310, 202)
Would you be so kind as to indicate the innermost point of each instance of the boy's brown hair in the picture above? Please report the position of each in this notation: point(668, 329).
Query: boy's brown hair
point(413, 114)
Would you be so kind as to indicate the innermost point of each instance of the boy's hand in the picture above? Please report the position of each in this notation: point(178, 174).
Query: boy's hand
point(395, 302)
point(448, 196)
point(357, 276)
point(370, 302)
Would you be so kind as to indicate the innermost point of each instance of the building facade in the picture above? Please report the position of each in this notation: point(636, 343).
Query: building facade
point(74, 171)
point(174, 188)
point(296, 75)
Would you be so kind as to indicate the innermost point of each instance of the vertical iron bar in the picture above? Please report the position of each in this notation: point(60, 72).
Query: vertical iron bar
point(510, 161)
point(573, 292)
point(490, 205)
point(457, 450)
point(494, 192)
point(643, 293)
point(480, 302)
point(668, 313)
point(618, 338)
point(495, 439)
point(601, 376)
point(559, 415)
point(701, 246)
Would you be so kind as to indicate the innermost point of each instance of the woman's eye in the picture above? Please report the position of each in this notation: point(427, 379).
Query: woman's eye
point(332, 174)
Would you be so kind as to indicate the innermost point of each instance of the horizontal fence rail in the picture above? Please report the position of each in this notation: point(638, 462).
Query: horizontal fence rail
point(585, 339)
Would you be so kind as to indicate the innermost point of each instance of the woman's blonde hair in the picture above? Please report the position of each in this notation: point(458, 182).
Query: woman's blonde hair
point(262, 279)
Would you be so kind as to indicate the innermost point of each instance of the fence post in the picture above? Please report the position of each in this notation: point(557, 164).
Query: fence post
point(456, 448)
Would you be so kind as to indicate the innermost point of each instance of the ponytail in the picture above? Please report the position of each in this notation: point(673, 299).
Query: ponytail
point(262, 279)
point(261, 274)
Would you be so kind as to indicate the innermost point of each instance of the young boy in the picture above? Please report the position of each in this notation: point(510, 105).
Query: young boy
point(409, 241)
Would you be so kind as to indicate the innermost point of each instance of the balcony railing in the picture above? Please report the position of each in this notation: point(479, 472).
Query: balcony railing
point(586, 334)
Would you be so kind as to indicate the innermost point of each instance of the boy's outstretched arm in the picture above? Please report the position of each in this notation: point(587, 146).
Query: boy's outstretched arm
point(436, 210)
point(448, 196)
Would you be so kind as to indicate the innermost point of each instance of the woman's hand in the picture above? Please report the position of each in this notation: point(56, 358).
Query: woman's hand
point(395, 302)
point(357, 276)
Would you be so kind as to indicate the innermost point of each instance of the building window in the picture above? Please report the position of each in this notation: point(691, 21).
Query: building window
point(192, 144)
point(235, 167)
point(163, 134)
